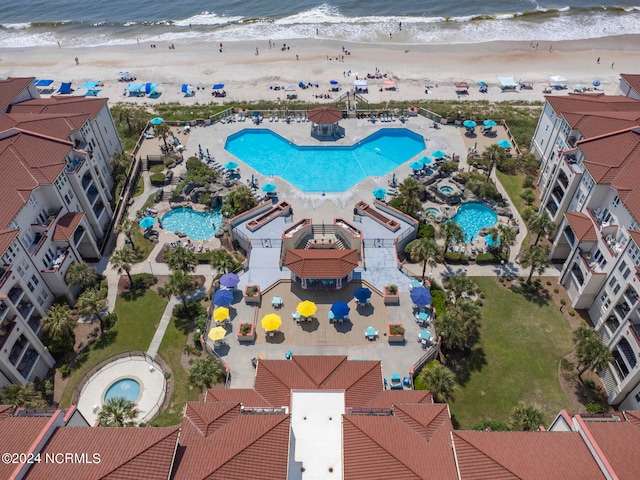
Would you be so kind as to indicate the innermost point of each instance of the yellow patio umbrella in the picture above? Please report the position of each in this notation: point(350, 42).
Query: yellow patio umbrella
point(271, 322)
point(221, 313)
point(307, 308)
point(217, 333)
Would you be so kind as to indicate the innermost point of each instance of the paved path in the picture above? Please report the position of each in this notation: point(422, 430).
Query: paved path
point(162, 327)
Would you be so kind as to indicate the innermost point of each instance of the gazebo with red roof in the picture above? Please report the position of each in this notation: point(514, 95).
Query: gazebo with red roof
point(322, 267)
point(324, 123)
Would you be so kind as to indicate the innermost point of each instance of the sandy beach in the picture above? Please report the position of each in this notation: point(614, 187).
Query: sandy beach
point(248, 73)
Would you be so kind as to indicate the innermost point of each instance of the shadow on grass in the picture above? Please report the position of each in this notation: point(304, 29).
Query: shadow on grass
point(532, 292)
point(184, 317)
point(105, 340)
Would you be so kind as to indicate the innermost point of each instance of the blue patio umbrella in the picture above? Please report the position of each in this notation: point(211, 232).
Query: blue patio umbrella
point(229, 280)
point(156, 121)
point(420, 296)
point(218, 86)
point(596, 83)
point(334, 82)
point(425, 160)
point(362, 294)
point(379, 193)
point(438, 154)
point(269, 188)
point(223, 298)
point(482, 84)
point(416, 165)
point(340, 309)
point(504, 143)
point(231, 165)
point(469, 124)
point(147, 222)
point(489, 123)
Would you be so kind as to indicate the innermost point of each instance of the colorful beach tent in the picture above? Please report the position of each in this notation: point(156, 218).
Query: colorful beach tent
point(134, 87)
point(65, 88)
point(186, 89)
point(218, 86)
point(150, 88)
point(361, 82)
point(507, 82)
point(43, 83)
point(91, 85)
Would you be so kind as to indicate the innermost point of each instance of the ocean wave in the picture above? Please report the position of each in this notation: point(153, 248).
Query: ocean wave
point(206, 18)
point(15, 26)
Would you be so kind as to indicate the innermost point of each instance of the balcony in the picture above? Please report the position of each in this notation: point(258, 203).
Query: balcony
point(622, 310)
point(37, 243)
point(98, 208)
point(74, 165)
point(58, 261)
point(29, 359)
point(5, 272)
point(25, 309)
point(35, 322)
point(15, 294)
point(590, 263)
point(552, 208)
point(92, 194)
point(619, 366)
point(557, 193)
point(627, 351)
point(86, 181)
point(17, 349)
point(562, 178)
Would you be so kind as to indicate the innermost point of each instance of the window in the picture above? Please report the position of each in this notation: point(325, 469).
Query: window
point(67, 199)
point(616, 201)
point(33, 200)
point(634, 253)
point(30, 286)
point(42, 298)
point(70, 193)
point(35, 280)
point(624, 270)
point(587, 181)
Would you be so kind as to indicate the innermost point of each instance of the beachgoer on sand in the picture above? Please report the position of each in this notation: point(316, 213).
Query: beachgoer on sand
point(78, 62)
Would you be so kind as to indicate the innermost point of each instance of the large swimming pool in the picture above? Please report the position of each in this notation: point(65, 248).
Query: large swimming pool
point(325, 168)
point(196, 225)
point(473, 217)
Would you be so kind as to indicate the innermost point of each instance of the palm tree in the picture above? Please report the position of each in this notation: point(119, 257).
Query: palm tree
point(239, 200)
point(542, 225)
point(181, 259)
point(118, 412)
point(458, 285)
point(90, 302)
point(591, 352)
point(179, 284)
point(125, 112)
point(537, 258)
point(450, 230)
point(222, 261)
point(504, 235)
point(493, 156)
point(128, 227)
point(82, 275)
point(122, 260)
point(205, 372)
point(24, 396)
point(452, 331)
point(410, 190)
point(525, 417)
point(162, 131)
point(59, 325)
point(441, 382)
point(425, 250)
point(120, 162)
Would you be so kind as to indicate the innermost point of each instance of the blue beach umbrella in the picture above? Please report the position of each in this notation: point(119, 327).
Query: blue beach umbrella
point(504, 143)
point(223, 298)
point(425, 160)
point(334, 82)
point(362, 294)
point(147, 222)
point(379, 193)
point(489, 123)
point(156, 121)
point(469, 124)
point(231, 165)
point(229, 280)
point(340, 309)
point(438, 154)
point(416, 165)
point(420, 296)
point(596, 83)
point(218, 86)
point(269, 188)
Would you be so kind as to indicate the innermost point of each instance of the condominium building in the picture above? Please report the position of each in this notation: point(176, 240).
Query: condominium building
point(55, 192)
point(589, 150)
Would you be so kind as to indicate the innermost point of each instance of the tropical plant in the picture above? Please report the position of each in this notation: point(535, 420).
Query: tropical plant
point(179, 284)
point(525, 418)
point(410, 190)
point(505, 236)
point(82, 275)
point(59, 326)
point(128, 228)
point(120, 163)
point(541, 225)
point(493, 156)
point(91, 302)
point(162, 131)
point(424, 250)
point(205, 372)
point(24, 396)
point(239, 200)
point(457, 286)
point(591, 352)
point(181, 259)
point(449, 231)
point(122, 260)
point(222, 261)
point(118, 412)
point(451, 331)
point(132, 115)
point(491, 426)
point(441, 382)
point(537, 258)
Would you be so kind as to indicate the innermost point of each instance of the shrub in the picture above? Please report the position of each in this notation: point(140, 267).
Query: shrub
point(392, 289)
point(167, 375)
point(556, 290)
point(528, 181)
point(109, 321)
point(426, 231)
point(528, 196)
point(420, 384)
point(479, 302)
point(572, 312)
point(166, 161)
point(65, 370)
point(457, 258)
point(567, 365)
point(549, 282)
point(252, 291)
point(245, 329)
point(485, 258)
point(396, 330)
point(199, 327)
point(563, 301)
point(157, 179)
point(191, 350)
point(594, 408)
point(438, 302)
point(144, 280)
point(205, 199)
point(492, 425)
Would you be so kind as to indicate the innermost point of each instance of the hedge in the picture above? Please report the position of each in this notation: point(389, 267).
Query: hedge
point(453, 257)
point(439, 302)
point(157, 179)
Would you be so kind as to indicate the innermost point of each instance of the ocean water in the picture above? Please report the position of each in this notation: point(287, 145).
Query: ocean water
point(28, 23)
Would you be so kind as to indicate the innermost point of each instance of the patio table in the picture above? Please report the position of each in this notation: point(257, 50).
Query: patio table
point(415, 284)
point(423, 317)
point(276, 302)
point(370, 333)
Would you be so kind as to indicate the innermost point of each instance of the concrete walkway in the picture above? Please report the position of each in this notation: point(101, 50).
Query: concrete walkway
point(162, 327)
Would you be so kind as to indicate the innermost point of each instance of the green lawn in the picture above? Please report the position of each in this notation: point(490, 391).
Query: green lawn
point(173, 344)
point(138, 317)
point(522, 343)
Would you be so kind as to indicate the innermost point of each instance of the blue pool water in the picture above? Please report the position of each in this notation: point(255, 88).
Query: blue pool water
point(434, 211)
point(126, 387)
point(325, 168)
point(473, 217)
point(196, 225)
point(446, 189)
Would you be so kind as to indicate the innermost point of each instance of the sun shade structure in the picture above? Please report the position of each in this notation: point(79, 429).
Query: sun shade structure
point(340, 309)
point(269, 188)
point(469, 124)
point(223, 298)
point(379, 193)
point(271, 322)
point(504, 143)
point(221, 313)
point(438, 154)
point(362, 294)
point(156, 121)
point(489, 123)
point(325, 115)
point(217, 333)
point(229, 280)
point(147, 222)
point(306, 308)
point(420, 296)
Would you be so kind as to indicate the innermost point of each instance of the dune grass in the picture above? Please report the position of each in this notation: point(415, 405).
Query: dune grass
point(516, 359)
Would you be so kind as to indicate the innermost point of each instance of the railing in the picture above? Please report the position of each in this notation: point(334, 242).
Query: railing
point(431, 353)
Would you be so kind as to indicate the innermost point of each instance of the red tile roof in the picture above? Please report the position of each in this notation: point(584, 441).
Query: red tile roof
point(633, 417)
point(388, 398)
point(635, 235)
point(618, 441)
point(591, 103)
point(249, 446)
point(11, 88)
point(632, 80)
point(27, 160)
point(17, 435)
point(248, 397)
point(57, 126)
point(208, 417)
point(524, 455)
point(125, 453)
point(61, 106)
point(6, 238)
point(361, 380)
point(582, 226)
point(325, 115)
point(321, 263)
point(67, 225)
point(595, 124)
point(5, 411)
